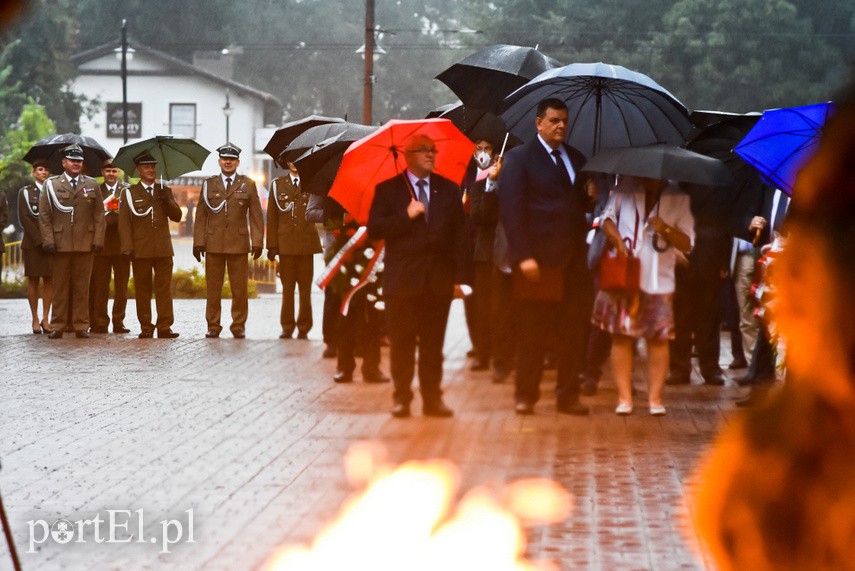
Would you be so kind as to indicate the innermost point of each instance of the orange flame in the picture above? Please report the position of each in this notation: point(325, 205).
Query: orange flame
point(404, 519)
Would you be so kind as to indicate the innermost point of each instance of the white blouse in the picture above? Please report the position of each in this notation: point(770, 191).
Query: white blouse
point(627, 198)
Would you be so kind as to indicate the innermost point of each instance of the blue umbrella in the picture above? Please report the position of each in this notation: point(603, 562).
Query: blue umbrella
point(783, 140)
point(609, 106)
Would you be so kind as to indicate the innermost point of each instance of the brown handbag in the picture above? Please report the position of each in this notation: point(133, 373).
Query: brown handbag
point(620, 274)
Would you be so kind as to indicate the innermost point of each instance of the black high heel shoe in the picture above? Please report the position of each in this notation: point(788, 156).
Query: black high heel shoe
point(37, 331)
point(44, 327)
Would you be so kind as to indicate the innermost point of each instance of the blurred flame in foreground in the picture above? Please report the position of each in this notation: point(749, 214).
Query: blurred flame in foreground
point(404, 519)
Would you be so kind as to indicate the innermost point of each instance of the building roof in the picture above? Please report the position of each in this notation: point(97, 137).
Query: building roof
point(175, 64)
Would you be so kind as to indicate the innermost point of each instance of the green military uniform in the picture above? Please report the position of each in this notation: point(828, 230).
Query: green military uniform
point(109, 264)
point(295, 241)
point(71, 219)
point(228, 223)
point(144, 234)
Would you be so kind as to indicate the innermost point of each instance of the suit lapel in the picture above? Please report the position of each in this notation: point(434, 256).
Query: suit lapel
point(237, 184)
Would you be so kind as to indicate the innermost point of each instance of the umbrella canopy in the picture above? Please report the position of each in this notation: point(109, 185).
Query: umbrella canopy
point(476, 124)
point(783, 140)
point(662, 162)
point(48, 149)
point(175, 155)
point(487, 76)
point(741, 200)
point(287, 132)
point(320, 133)
point(609, 106)
point(319, 164)
point(380, 156)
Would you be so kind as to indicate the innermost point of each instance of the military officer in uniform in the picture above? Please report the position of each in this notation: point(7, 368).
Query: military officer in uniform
point(229, 225)
point(145, 239)
point(295, 240)
point(110, 262)
point(71, 219)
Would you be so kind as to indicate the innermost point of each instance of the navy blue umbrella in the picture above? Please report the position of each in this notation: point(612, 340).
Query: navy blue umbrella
point(609, 105)
point(783, 140)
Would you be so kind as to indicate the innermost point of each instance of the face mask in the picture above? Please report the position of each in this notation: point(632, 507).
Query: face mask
point(483, 159)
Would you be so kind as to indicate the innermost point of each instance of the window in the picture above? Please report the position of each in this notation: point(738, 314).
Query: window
point(182, 119)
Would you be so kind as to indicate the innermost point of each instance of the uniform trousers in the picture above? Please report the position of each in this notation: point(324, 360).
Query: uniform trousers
point(71, 271)
point(103, 268)
point(295, 272)
point(417, 321)
point(162, 289)
point(215, 270)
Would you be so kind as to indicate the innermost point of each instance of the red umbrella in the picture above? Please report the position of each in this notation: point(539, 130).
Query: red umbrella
point(380, 156)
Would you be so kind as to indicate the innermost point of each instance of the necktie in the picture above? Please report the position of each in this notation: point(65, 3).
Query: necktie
point(561, 166)
point(228, 184)
point(148, 189)
point(423, 196)
point(74, 184)
point(296, 182)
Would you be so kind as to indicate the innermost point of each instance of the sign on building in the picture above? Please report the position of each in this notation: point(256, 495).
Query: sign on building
point(115, 121)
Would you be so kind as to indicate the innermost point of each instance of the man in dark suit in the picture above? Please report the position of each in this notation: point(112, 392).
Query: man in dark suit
point(71, 218)
point(420, 217)
point(144, 218)
point(110, 262)
point(229, 225)
point(542, 205)
point(295, 240)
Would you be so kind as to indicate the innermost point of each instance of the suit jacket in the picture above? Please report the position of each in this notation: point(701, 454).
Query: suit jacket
point(28, 216)
point(147, 236)
point(484, 211)
point(80, 229)
point(239, 224)
point(112, 247)
point(289, 232)
point(542, 216)
point(763, 208)
point(420, 256)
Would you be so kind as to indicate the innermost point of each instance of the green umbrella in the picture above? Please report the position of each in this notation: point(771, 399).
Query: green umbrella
point(175, 155)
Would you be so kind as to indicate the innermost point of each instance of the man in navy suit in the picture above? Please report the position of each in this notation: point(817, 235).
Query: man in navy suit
point(542, 204)
point(420, 216)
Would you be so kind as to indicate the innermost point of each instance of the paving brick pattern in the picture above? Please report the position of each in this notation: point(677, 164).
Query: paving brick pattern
point(250, 434)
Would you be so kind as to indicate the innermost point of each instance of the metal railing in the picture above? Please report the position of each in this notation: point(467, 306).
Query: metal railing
point(13, 259)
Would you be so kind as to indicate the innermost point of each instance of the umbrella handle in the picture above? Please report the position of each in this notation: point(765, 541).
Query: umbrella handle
point(756, 237)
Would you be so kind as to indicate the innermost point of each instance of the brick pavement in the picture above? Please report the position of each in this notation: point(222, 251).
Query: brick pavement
point(250, 435)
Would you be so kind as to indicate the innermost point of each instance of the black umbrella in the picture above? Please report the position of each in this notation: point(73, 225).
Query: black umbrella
point(287, 132)
point(662, 162)
point(741, 200)
point(49, 148)
point(476, 124)
point(487, 76)
point(320, 133)
point(319, 164)
point(609, 106)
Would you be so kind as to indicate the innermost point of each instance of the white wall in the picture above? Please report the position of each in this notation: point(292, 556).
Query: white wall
point(157, 92)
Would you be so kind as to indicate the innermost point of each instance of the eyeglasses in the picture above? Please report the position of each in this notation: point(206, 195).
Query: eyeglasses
point(424, 150)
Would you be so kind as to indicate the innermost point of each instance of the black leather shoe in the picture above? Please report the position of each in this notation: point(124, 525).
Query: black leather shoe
point(239, 334)
point(98, 329)
point(55, 334)
point(120, 328)
point(738, 364)
point(716, 379)
point(572, 407)
point(437, 409)
point(329, 352)
point(83, 334)
point(212, 334)
point(146, 334)
point(678, 380)
point(400, 410)
point(374, 377)
point(166, 334)
point(342, 377)
point(286, 335)
point(745, 381)
point(303, 335)
point(523, 407)
point(480, 365)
